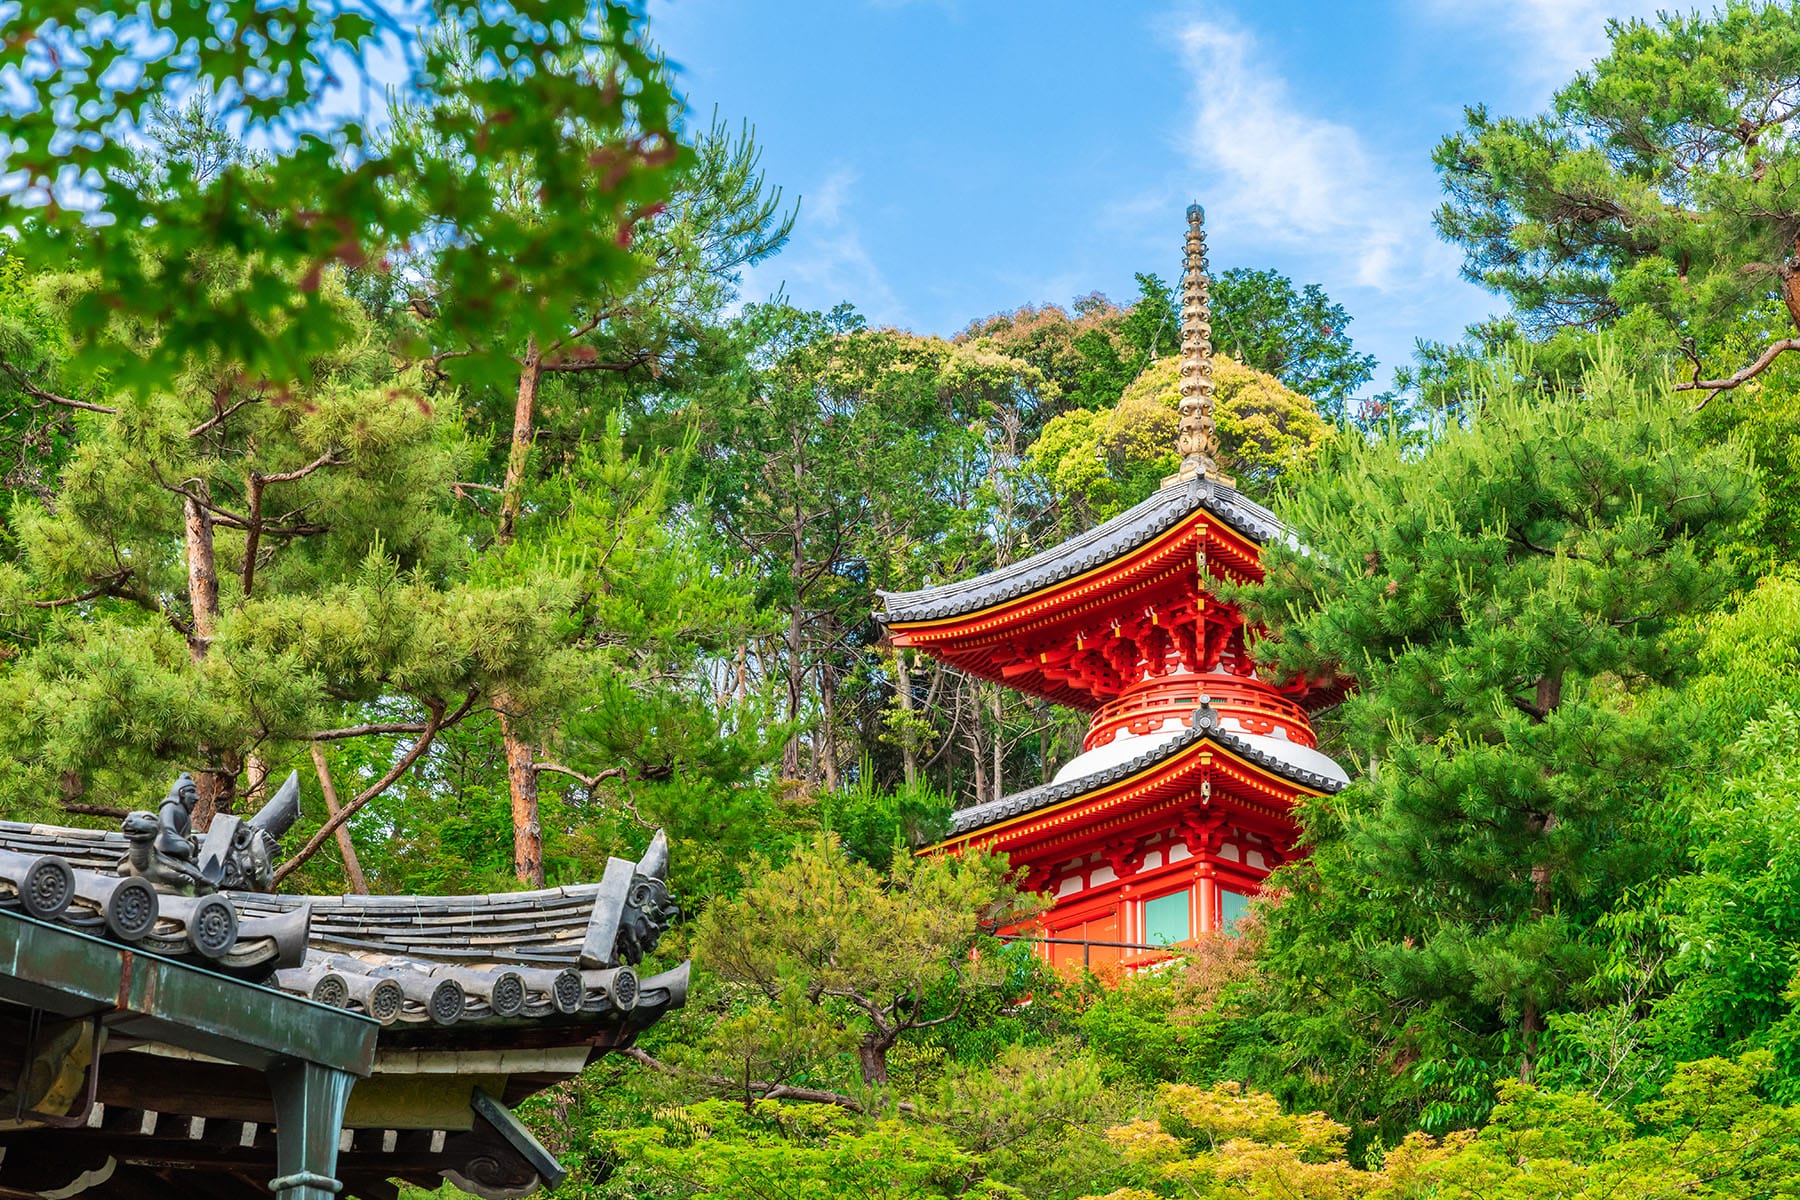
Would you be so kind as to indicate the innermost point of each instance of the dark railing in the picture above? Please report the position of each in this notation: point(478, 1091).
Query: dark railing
point(1087, 946)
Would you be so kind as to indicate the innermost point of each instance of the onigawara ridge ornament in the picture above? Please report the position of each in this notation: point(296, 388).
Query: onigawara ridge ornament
point(166, 1021)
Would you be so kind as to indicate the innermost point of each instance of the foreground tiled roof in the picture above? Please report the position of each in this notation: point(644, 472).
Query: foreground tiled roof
point(1098, 546)
point(992, 812)
point(435, 960)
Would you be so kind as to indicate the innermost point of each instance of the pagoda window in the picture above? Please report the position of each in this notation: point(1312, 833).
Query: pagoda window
point(1168, 919)
point(1233, 907)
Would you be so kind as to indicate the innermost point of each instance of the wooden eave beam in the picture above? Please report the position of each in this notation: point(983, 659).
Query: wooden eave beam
point(141, 995)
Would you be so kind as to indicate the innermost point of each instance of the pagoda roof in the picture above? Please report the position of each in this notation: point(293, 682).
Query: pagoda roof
point(1269, 753)
point(1103, 544)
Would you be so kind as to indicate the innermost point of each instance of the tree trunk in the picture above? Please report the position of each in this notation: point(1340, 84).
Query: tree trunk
point(790, 754)
point(994, 706)
point(522, 779)
point(1530, 1025)
point(203, 577)
point(521, 771)
point(977, 748)
point(828, 751)
point(512, 491)
point(353, 872)
point(215, 780)
point(253, 493)
point(873, 1052)
point(909, 745)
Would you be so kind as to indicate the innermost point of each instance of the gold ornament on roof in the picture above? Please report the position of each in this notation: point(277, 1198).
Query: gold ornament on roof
point(1196, 442)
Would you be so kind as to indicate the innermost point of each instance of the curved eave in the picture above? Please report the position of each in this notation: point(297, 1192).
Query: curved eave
point(1069, 563)
point(996, 819)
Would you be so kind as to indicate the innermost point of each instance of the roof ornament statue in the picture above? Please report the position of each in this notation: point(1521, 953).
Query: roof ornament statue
point(236, 854)
point(1196, 442)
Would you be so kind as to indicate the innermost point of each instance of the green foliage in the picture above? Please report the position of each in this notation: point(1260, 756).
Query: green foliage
point(1501, 597)
point(1708, 1134)
point(1658, 189)
point(715, 1149)
point(1297, 336)
point(830, 955)
point(1103, 462)
point(327, 191)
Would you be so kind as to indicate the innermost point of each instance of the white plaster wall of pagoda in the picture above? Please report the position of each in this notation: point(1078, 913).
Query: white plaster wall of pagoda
point(1294, 754)
point(1126, 746)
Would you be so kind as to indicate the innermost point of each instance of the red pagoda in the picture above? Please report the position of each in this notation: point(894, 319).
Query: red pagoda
point(1179, 804)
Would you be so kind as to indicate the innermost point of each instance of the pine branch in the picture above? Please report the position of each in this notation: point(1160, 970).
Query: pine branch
point(370, 730)
point(37, 393)
point(332, 823)
point(108, 588)
point(327, 459)
point(94, 810)
point(374, 728)
point(1712, 387)
point(757, 1087)
point(221, 416)
point(590, 782)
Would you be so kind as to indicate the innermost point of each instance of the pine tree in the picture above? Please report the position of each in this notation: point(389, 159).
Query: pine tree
point(1500, 597)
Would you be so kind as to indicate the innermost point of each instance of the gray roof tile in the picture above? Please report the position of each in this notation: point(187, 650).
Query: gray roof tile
point(979, 816)
point(1101, 544)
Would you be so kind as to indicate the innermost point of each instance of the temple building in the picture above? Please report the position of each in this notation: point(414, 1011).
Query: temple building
point(1179, 804)
point(170, 1027)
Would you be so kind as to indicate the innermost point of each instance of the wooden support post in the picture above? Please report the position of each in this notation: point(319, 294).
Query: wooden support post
point(309, 1119)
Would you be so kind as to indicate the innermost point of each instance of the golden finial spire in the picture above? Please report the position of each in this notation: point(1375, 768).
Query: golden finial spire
point(1196, 443)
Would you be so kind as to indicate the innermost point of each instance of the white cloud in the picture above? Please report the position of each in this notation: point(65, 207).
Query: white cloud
point(1275, 173)
point(826, 261)
point(1553, 39)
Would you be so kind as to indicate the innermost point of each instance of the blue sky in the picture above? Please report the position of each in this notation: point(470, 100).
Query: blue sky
point(962, 157)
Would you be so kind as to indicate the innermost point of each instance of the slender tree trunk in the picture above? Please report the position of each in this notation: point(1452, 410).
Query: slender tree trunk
point(521, 757)
point(909, 744)
point(512, 491)
point(828, 750)
point(215, 780)
point(203, 577)
point(796, 682)
point(253, 498)
point(994, 706)
point(977, 748)
point(1530, 1025)
point(353, 872)
point(522, 779)
point(1549, 697)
